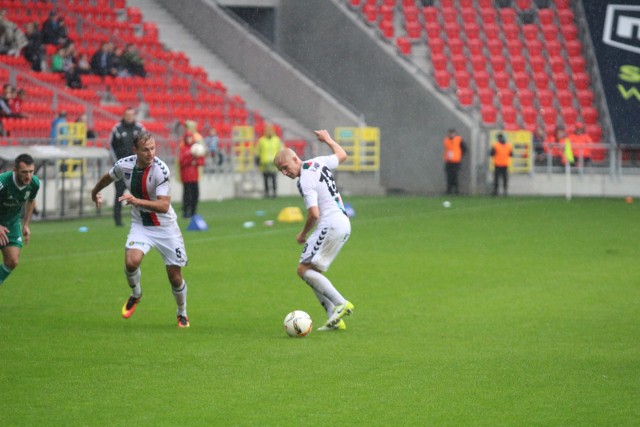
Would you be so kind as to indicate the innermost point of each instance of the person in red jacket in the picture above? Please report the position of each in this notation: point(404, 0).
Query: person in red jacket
point(189, 175)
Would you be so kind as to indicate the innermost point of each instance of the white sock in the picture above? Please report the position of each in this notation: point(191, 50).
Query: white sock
point(181, 298)
point(321, 285)
point(134, 282)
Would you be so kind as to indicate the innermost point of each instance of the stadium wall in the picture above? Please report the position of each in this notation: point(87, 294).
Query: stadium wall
point(346, 55)
point(254, 60)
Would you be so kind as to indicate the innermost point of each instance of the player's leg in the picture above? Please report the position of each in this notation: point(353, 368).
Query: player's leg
point(196, 197)
point(321, 249)
point(10, 257)
point(179, 290)
point(117, 207)
point(132, 260)
point(174, 254)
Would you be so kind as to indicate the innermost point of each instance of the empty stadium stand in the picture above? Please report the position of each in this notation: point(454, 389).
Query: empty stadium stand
point(519, 63)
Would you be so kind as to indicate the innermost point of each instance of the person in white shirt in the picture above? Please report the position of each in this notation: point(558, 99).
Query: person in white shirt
point(153, 221)
point(325, 213)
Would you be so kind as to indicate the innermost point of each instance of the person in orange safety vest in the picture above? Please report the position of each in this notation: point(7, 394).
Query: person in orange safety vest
point(501, 151)
point(454, 149)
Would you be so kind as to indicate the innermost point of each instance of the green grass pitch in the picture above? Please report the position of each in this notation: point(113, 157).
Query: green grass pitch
point(495, 311)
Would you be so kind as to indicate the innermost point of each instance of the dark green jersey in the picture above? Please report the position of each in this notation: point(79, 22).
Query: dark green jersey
point(12, 198)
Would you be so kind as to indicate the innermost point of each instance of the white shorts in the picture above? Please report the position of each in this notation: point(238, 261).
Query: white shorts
point(167, 240)
point(324, 244)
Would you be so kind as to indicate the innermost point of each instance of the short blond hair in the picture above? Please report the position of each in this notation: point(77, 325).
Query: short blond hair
point(283, 156)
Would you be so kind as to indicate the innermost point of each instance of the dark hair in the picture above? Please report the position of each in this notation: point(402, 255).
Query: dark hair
point(24, 158)
point(141, 138)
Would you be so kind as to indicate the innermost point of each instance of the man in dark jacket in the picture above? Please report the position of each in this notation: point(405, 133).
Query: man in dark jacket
point(122, 136)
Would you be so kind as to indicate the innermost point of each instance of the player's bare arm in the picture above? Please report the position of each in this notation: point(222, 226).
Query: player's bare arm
point(313, 213)
point(103, 182)
point(323, 136)
point(161, 205)
point(4, 239)
point(26, 232)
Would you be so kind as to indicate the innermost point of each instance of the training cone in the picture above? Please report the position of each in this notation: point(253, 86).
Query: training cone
point(290, 214)
point(197, 224)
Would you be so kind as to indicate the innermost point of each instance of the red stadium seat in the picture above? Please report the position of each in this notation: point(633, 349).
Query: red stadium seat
point(508, 16)
point(521, 80)
point(475, 46)
point(404, 45)
point(561, 81)
point(485, 96)
point(545, 98)
point(557, 64)
point(489, 115)
point(574, 48)
point(506, 97)
point(436, 46)
point(462, 78)
point(501, 80)
point(439, 62)
point(545, 16)
point(569, 116)
point(538, 64)
point(530, 31)
point(581, 81)
point(577, 64)
point(459, 62)
point(511, 31)
point(570, 32)
point(595, 132)
point(482, 79)
point(495, 47)
point(518, 64)
point(529, 116)
point(456, 46)
point(566, 16)
point(585, 98)
point(590, 115)
point(509, 114)
point(526, 97)
point(465, 97)
point(565, 98)
point(478, 63)
point(442, 79)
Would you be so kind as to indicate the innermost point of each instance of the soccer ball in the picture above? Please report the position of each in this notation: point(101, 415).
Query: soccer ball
point(298, 324)
point(198, 150)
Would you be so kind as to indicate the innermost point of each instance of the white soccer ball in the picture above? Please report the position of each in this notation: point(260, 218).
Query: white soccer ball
point(446, 204)
point(198, 150)
point(298, 324)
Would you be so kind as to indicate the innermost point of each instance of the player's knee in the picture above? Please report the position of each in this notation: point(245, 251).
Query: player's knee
point(301, 270)
point(11, 263)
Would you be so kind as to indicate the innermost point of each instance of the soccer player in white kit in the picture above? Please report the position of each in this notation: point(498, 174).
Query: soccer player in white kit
point(153, 221)
point(325, 212)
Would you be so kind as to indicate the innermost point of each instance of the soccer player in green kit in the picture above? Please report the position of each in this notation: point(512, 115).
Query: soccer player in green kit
point(18, 188)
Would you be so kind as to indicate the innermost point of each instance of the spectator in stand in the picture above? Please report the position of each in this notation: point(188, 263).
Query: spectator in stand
point(12, 39)
point(54, 30)
point(122, 137)
point(132, 62)
point(501, 151)
point(118, 65)
point(211, 141)
point(58, 60)
point(102, 62)
point(268, 146)
point(581, 144)
point(190, 175)
point(15, 103)
point(60, 119)
point(8, 93)
point(84, 66)
point(33, 51)
point(538, 140)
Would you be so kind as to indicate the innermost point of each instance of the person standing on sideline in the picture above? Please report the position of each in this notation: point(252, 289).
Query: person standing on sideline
point(18, 188)
point(153, 221)
point(190, 175)
point(121, 146)
point(268, 146)
point(325, 212)
point(454, 149)
point(501, 151)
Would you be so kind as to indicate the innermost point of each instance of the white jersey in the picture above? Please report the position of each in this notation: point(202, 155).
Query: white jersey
point(147, 184)
point(318, 188)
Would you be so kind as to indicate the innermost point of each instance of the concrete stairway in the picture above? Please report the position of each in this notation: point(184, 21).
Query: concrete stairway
point(177, 37)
